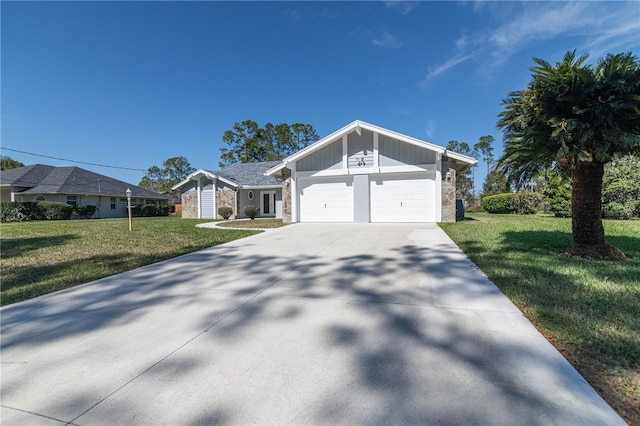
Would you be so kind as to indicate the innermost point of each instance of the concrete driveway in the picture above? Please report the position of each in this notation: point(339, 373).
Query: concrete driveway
point(309, 324)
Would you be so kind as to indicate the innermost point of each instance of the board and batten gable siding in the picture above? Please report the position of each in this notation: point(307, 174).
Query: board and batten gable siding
point(396, 153)
point(191, 186)
point(327, 158)
point(360, 147)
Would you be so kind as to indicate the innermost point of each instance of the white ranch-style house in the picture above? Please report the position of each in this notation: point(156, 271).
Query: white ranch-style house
point(359, 173)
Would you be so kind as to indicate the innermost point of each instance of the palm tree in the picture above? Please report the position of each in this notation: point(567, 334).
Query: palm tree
point(576, 117)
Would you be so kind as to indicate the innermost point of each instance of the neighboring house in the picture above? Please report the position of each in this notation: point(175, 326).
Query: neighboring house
point(365, 173)
point(235, 186)
point(75, 186)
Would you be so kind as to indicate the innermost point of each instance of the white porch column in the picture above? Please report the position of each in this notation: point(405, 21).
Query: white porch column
point(438, 187)
point(345, 154)
point(198, 192)
point(376, 160)
point(294, 192)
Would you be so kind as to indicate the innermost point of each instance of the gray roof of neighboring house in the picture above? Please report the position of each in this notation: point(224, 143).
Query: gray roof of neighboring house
point(42, 179)
point(250, 174)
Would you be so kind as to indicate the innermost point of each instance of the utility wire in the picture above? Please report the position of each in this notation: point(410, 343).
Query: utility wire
point(72, 161)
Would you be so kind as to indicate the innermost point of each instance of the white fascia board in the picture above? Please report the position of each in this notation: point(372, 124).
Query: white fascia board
point(260, 187)
point(460, 157)
point(200, 173)
point(275, 169)
point(227, 181)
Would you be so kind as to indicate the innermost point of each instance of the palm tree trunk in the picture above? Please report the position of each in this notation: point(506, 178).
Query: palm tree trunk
point(586, 218)
point(586, 204)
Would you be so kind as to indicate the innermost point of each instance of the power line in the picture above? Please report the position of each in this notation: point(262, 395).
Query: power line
point(72, 161)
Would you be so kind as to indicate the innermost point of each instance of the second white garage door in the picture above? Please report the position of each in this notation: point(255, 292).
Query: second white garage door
point(326, 199)
point(402, 198)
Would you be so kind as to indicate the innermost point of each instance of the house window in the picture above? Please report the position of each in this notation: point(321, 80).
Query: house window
point(250, 195)
point(39, 198)
point(72, 200)
point(113, 203)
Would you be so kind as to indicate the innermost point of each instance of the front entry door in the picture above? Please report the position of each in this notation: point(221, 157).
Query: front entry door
point(268, 200)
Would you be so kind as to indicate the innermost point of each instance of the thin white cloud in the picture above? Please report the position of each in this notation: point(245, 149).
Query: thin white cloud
point(434, 72)
point(605, 27)
point(430, 128)
point(404, 7)
point(387, 41)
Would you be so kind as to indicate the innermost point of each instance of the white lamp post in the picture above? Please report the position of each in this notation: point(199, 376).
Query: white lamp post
point(128, 192)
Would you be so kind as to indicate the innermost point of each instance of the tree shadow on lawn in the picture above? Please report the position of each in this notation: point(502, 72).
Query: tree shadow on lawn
point(15, 247)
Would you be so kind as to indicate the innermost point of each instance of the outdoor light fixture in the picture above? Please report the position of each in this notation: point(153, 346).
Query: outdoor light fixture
point(128, 192)
point(448, 176)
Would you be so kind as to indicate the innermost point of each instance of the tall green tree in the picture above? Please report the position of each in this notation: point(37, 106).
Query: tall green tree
point(495, 183)
point(247, 142)
point(578, 117)
point(464, 180)
point(7, 163)
point(485, 147)
point(173, 170)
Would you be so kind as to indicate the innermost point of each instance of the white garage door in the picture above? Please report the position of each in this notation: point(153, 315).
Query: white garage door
point(403, 198)
point(326, 199)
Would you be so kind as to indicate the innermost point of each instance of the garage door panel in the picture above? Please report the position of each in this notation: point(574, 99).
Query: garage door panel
point(402, 198)
point(326, 200)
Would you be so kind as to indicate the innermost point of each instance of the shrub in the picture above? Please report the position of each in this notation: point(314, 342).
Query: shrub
point(252, 211)
point(150, 210)
point(225, 212)
point(615, 210)
point(526, 202)
point(557, 192)
point(498, 203)
point(51, 210)
point(521, 203)
point(84, 212)
point(13, 212)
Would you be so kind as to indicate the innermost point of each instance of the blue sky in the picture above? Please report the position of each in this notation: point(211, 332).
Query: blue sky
point(130, 84)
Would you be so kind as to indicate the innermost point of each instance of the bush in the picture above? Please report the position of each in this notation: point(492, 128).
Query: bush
point(615, 210)
point(150, 210)
point(252, 211)
point(498, 203)
point(84, 212)
point(14, 212)
point(557, 192)
point(225, 212)
point(521, 203)
point(526, 202)
point(51, 210)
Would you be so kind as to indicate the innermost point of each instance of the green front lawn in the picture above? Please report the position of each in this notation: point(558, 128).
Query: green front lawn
point(590, 310)
point(45, 256)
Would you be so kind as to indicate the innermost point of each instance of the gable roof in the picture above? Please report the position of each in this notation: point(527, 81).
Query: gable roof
point(238, 175)
point(43, 179)
point(357, 126)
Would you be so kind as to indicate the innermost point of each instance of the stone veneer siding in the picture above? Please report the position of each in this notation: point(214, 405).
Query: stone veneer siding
point(286, 195)
point(449, 197)
point(225, 198)
point(190, 205)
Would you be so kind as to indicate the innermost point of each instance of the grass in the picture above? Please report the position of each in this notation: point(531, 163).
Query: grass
point(42, 257)
point(590, 310)
point(253, 224)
